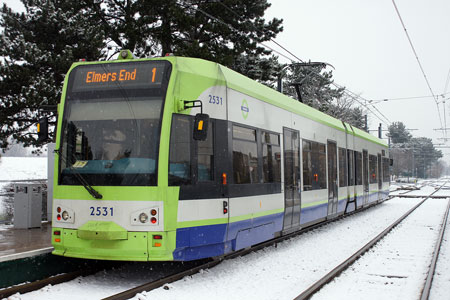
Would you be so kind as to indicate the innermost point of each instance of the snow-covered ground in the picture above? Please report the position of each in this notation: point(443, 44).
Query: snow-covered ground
point(441, 280)
point(283, 272)
point(20, 168)
point(395, 268)
point(272, 273)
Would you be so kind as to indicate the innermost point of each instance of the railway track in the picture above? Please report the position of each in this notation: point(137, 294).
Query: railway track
point(167, 280)
point(162, 281)
point(319, 284)
point(428, 283)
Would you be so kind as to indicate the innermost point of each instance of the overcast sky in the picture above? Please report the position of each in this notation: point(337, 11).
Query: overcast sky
point(366, 43)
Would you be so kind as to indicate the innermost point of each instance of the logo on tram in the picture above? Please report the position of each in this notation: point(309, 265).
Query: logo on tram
point(244, 109)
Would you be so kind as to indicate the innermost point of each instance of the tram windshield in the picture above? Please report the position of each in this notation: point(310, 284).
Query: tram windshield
point(112, 123)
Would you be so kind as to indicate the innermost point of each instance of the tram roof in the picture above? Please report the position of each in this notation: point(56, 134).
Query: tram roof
point(243, 84)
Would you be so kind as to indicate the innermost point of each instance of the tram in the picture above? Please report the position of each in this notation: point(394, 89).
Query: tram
point(176, 158)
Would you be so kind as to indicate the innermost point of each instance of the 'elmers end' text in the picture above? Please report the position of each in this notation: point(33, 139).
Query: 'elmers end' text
point(122, 75)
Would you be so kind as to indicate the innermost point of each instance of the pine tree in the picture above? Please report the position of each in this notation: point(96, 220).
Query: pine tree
point(316, 90)
point(227, 31)
point(413, 156)
point(398, 133)
point(39, 46)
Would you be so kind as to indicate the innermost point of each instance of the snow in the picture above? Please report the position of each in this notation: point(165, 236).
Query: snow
point(280, 272)
point(20, 168)
point(441, 280)
point(393, 269)
point(284, 272)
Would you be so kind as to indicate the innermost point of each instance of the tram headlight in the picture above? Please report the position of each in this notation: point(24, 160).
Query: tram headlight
point(143, 217)
point(65, 215)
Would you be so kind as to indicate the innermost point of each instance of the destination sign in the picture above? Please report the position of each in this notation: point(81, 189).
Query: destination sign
point(112, 75)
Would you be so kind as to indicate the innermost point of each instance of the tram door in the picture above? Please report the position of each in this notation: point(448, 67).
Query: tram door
point(365, 177)
point(292, 183)
point(332, 178)
point(380, 178)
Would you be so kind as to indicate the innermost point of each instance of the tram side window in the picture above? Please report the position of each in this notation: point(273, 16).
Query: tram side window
point(189, 161)
point(350, 168)
point(342, 167)
point(180, 164)
point(386, 169)
point(206, 157)
point(373, 168)
point(358, 168)
point(307, 165)
point(245, 155)
point(314, 166)
point(271, 157)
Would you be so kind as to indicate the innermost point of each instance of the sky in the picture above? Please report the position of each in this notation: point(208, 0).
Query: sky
point(367, 45)
point(372, 57)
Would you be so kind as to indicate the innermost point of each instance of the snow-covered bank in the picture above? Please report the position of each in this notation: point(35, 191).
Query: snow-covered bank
point(21, 168)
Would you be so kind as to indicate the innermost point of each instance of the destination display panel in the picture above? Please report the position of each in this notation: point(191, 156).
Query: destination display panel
point(143, 74)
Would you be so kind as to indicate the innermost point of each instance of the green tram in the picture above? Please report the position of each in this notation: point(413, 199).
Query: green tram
point(176, 158)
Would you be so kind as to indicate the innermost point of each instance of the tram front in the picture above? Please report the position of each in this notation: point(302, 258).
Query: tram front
point(107, 204)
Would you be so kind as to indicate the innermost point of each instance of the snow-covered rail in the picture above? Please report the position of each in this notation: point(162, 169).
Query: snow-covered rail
point(428, 283)
point(324, 288)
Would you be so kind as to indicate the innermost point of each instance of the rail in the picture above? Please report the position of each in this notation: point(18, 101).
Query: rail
point(428, 283)
point(33, 286)
point(314, 288)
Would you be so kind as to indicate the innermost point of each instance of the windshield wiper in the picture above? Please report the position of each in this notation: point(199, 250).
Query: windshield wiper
point(80, 178)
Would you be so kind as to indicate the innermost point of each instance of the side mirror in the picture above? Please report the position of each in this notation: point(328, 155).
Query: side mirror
point(42, 130)
point(201, 127)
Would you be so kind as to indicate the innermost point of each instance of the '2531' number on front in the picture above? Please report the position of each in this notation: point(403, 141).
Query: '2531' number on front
point(102, 211)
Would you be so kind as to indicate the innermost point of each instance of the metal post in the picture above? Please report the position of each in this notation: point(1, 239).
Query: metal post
point(280, 83)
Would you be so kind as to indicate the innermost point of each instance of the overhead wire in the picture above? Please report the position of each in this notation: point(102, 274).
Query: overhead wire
point(228, 25)
point(363, 102)
point(418, 61)
point(376, 101)
point(357, 98)
point(254, 27)
point(312, 71)
point(445, 90)
point(447, 81)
